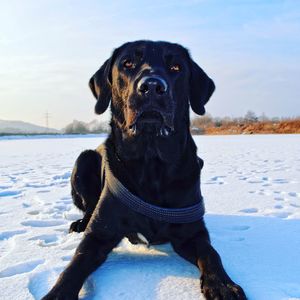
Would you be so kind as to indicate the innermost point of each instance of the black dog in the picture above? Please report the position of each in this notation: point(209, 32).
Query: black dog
point(151, 153)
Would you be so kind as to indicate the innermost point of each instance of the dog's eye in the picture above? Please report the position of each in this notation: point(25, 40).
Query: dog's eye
point(128, 64)
point(175, 68)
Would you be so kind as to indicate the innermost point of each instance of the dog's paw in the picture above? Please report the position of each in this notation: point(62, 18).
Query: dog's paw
point(77, 226)
point(215, 288)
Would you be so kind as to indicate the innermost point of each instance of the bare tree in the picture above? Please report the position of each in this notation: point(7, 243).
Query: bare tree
point(250, 117)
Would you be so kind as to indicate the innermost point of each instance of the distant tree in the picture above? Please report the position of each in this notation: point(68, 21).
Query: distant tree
point(218, 122)
point(275, 120)
point(202, 122)
point(80, 127)
point(226, 121)
point(101, 128)
point(76, 127)
point(238, 120)
point(263, 118)
point(250, 117)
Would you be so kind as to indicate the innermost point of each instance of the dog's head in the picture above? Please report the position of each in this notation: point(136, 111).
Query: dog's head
point(150, 86)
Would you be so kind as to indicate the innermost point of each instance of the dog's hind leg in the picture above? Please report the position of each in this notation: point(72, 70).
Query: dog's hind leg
point(86, 186)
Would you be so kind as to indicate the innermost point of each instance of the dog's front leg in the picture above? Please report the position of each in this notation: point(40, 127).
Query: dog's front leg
point(90, 254)
point(215, 282)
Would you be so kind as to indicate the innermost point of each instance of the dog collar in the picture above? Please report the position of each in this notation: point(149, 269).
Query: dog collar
point(169, 215)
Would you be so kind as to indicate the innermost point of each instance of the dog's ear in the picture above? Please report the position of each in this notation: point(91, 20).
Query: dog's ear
point(100, 84)
point(201, 89)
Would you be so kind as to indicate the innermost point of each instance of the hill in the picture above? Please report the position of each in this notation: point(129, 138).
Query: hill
point(20, 127)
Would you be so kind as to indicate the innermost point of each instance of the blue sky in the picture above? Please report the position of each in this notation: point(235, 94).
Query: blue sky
point(50, 48)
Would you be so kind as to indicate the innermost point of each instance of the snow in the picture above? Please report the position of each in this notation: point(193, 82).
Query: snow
point(252, 195)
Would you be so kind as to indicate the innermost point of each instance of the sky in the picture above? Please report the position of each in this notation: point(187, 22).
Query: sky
point(49, 49)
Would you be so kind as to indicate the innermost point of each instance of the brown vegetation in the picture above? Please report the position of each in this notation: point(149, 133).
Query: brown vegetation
point(250, 124)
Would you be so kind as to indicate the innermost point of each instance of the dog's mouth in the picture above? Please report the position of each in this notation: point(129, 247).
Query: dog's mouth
point(151, 122)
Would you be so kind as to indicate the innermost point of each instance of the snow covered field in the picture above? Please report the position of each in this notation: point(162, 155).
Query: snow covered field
point(251, 186)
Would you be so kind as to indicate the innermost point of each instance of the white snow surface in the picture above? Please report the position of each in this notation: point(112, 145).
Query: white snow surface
point(251, 186)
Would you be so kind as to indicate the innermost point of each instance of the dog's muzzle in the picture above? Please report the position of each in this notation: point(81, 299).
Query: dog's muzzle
point(151, 122)
point(154, 116)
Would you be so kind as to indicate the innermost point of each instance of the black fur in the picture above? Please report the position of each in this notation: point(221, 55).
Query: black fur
point(151, 151)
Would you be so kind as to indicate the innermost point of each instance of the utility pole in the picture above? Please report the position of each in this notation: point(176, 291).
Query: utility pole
point(47, 116)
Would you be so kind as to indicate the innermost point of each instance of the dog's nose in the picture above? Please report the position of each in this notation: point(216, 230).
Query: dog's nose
point(152, 85)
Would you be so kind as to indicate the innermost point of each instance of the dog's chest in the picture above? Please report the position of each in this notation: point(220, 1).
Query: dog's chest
point(152, 181)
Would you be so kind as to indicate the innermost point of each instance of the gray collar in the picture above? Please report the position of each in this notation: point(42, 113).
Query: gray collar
point(169, 215)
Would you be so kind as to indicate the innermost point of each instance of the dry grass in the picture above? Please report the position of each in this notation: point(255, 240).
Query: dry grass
point(259, 127)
